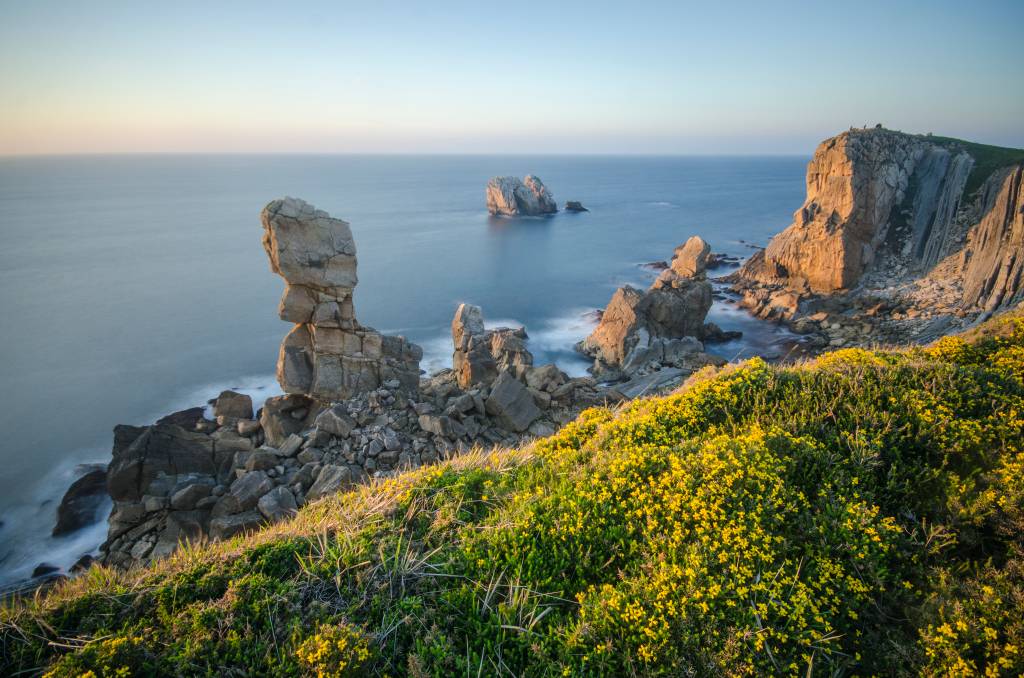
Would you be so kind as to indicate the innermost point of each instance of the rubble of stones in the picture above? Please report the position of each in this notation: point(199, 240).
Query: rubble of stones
point(189, 477)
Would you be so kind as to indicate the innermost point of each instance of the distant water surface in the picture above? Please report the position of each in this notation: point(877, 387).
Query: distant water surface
point(134, 285)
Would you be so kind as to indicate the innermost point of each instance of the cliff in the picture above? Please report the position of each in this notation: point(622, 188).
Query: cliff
point(885, 207)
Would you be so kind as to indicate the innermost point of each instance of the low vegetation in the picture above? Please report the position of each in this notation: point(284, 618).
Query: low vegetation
point(858, 514)
point(987, 159)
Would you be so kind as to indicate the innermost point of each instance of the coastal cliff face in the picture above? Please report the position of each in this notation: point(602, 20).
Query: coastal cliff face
point(884, 208)
point(510, 196)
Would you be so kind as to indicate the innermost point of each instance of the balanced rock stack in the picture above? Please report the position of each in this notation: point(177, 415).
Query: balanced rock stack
point(644, 331)
point(480, 354)
point(328, 354)
point(510, 196)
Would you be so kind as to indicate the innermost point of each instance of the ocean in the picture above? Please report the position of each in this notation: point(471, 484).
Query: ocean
point(133, 286)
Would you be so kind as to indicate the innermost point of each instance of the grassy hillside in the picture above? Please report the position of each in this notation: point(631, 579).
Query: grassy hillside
point(860, 514)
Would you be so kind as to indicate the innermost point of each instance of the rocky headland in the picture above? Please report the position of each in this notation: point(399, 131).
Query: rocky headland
point(902, 238)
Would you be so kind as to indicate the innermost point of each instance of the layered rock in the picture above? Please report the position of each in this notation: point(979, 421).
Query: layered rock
point(643, 330)
point(888, 214)
point(510, 196)
point(328, 354)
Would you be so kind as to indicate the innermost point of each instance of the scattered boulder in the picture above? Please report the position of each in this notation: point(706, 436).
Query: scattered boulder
point(332, 479)
point(511, 403)
point(225, 527)
point(510, 196)
point(81, 501)
point(278, 504)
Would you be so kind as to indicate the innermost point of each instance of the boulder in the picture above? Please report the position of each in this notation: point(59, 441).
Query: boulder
point(336, 421)
point(575, 206)
point(332, 479)
point(233, 405)
point(248, 489)
point(510, 196)
point(277, 504)
point(225, 527)
point(185, 499)
point(159, 454)
point(511, 404)
point(186, 419)
point(81, 501)
point(691, 258)
point(277, 417)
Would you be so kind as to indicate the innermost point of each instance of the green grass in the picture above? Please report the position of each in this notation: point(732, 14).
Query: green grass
point(858, 514)
point(987, 159)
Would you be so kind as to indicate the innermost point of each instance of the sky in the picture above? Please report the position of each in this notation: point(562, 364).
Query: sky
point(375, 76)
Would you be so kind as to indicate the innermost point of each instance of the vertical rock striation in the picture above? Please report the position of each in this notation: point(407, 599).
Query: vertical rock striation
point(328, 354)
point(885, 208)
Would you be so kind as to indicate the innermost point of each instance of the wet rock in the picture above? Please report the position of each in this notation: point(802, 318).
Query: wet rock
point(575, 206)
point(81, 502)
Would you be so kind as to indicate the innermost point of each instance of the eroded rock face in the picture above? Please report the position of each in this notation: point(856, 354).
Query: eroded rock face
point(328, 354)
point(510, 196)
point(888, 214)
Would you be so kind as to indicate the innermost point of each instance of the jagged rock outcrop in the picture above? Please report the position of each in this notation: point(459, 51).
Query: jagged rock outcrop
point(888, 213)
point(328, 354)
point(82, 500)
point(510, 196)
point(692, 257)
point(642, 330)
point(481, 355)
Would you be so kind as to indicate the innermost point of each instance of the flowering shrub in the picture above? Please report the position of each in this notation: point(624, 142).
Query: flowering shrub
point(334, 651)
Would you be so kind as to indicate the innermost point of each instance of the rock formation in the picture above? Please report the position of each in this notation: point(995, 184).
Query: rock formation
point(510, 196)
point(575, 206)
point(480, 354)
point(884, 208)
point(640, 331)
point(328, 354)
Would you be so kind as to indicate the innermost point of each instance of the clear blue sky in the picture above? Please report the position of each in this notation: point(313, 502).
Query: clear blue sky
point(480, 77)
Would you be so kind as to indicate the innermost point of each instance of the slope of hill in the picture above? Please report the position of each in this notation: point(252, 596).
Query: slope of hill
point(861, 513)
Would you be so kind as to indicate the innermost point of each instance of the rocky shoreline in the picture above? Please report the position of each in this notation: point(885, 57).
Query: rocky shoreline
point(888, 249)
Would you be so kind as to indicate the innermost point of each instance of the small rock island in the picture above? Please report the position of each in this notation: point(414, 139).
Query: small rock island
point(514, 197)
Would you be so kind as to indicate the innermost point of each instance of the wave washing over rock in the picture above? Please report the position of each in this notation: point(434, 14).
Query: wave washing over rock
point(901, 238)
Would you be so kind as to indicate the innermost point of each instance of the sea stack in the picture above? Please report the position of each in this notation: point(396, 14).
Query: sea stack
point(327, 355)
point(510, 196)
point(643, 331)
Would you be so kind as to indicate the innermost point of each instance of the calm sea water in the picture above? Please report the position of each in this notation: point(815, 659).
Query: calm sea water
point(131, 286)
